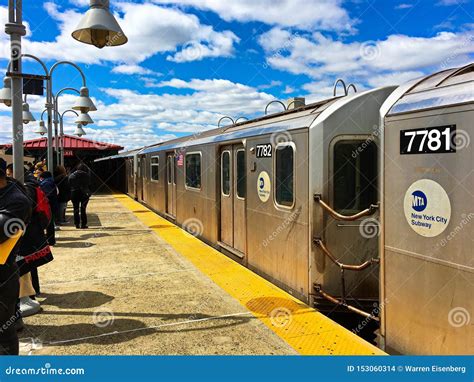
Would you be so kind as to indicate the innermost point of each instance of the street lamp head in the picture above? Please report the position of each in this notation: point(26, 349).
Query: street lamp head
point(6, 92)
point(83, 102)
point(79, 130)
point(84, 119)
point(41, 129)
point(98, 27)
point(27, 116)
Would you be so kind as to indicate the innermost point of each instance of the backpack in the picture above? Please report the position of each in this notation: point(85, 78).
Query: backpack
point(42, 208)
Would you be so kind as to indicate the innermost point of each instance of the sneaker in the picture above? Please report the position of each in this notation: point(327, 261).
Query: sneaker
point(29, 307)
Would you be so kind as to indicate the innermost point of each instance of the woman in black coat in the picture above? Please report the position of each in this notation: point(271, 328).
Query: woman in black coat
point(64, 195)
point(79, 182)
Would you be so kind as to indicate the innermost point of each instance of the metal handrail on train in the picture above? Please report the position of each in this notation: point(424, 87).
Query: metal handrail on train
point(339, 80)
point(348, 218)
point(275, 101)
point(343, 267)
point(351, 86)
point(226, 117)
point(319, 242)
point(243, 118)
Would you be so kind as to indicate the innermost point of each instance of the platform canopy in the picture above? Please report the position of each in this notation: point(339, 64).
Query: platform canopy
point(75, 148)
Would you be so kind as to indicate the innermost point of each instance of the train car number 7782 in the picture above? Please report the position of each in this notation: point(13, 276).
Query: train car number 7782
point(433, 140)
point(264, 151)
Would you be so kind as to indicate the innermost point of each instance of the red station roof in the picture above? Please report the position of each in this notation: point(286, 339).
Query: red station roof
point(70, 143)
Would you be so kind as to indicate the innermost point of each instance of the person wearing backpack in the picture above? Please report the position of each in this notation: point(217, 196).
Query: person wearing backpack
point(34, 249)
point(15, 211)
point(49, 188)
point(79, 182)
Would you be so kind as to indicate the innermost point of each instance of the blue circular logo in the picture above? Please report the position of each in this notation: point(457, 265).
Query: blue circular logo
point(419, 201)
point(262, 183)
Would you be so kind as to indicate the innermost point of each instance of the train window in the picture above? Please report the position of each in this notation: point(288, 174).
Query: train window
point(354, 175)
point(154, 164)
point(241, 174)
point(193, 170)
point(225, 165)
point(284, 175)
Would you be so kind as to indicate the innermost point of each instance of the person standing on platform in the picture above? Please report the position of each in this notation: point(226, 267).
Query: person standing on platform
point(64, 195)
point(49, 188)
point(15, 212)
point(79, 182)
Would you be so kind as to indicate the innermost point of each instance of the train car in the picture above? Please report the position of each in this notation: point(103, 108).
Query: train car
point(292, 196)
point(427, 272)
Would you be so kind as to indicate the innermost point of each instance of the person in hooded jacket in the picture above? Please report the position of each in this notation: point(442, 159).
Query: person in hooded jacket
point(15, 212)
point(49, 188)
point(79, 182)
point(64, 196)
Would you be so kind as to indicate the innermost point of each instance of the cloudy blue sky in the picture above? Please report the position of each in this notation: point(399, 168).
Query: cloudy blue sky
point(189, 62)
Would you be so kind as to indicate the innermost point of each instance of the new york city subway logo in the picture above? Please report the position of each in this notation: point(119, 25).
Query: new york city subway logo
point(419, 201)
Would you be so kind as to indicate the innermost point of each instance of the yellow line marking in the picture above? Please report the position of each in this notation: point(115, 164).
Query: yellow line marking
point(302, 327)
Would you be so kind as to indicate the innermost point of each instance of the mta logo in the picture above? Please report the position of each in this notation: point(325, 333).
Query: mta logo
point(419, 201)
point(262, 183)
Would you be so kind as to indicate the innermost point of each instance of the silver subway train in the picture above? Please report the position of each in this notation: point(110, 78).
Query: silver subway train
point(338, 203)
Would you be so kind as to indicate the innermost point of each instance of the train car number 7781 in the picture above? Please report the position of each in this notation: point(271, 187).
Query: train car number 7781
point(433, 140)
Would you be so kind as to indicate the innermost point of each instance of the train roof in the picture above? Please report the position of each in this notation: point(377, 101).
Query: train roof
point(284, 121)
point(446, 88)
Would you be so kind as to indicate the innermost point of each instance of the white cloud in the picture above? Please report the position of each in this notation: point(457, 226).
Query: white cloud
point(150, 29)
point(452, 2)
point(319, 56)
point(404, 6)
point(134, 69)
point(304, 14)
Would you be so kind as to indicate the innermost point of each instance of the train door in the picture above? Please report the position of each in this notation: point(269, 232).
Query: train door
point(233, 193)
point(171, 184)
point(140, 177)
point(351, 227)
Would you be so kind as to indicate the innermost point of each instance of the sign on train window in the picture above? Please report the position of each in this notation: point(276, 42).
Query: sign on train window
point(193, 170)
point(433, 140)
point(241, 174)
point(284, 175)
point(155, 173)
point(354, 176)
point(225, 165)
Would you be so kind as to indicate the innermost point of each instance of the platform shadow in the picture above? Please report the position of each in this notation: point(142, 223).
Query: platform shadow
point(76, 300)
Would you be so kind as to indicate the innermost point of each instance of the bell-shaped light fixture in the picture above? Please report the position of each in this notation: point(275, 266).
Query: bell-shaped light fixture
point(6, 92)
point(83, 102)
point(98, 26)
point(84, 119)
point(41, 129)
point(27, 116)
point(79, 130)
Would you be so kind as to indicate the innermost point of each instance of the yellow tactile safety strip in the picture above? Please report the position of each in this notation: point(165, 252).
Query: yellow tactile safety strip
point(303, 328)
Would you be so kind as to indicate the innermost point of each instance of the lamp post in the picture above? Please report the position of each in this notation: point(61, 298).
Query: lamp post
point(83, 104)
point(98, 25)
point(15, 28)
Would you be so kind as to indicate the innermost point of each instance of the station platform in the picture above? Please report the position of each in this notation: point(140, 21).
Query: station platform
point(134, 283)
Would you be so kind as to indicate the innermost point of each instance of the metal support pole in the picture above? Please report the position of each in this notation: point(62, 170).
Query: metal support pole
point(61, 140)
point(16, 30)
point(50, 108)
point(56, 133)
